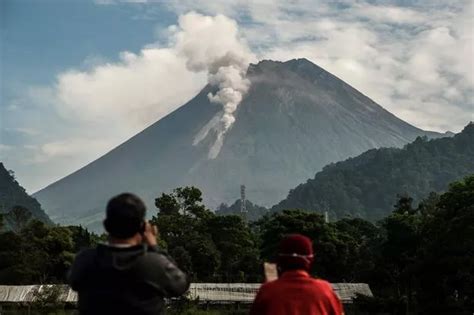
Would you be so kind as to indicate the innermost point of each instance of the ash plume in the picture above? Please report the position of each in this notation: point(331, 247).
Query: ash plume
point(212, 44)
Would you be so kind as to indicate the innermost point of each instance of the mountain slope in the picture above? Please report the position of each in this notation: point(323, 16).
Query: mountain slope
point(368, 185)
point(295, 118)
point(12, 194)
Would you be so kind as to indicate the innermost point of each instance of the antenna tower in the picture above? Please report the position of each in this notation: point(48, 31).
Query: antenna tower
point(243, 206)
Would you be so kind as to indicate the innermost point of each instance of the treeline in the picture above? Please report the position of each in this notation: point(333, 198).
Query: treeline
point(417, 260)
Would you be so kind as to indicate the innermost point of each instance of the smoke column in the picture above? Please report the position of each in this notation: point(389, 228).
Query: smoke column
point(212, 44)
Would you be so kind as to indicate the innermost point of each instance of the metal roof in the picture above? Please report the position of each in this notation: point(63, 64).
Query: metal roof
point(31, 293)
point(205, 292)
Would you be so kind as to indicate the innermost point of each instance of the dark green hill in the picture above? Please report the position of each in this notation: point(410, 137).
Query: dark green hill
point(13, 195)
point(367, 185)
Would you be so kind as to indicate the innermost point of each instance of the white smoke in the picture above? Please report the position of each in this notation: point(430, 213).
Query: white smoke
point(212, 44)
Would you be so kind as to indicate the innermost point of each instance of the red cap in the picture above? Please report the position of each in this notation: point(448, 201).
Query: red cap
point(295, 252)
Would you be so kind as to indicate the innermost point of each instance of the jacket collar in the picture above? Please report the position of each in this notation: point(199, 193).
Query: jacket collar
point(300, 273)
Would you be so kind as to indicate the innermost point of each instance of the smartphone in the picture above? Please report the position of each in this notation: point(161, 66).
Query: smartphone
point(271, 271)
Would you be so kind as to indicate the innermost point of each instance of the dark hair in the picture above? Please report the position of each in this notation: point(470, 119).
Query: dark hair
point(125, 215)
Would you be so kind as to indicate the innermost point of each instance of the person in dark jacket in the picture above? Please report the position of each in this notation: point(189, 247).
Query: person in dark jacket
point(129, 274)
point(295, 292)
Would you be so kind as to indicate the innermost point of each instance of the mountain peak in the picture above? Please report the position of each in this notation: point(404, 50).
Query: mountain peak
point(292, 71)
point(301, 62)
point(469, 128)
point(264, 62)
point(295, 118)
point(292, 64)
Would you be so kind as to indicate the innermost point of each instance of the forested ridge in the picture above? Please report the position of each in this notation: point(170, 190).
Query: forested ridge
point(367, 185)
point(14, 197)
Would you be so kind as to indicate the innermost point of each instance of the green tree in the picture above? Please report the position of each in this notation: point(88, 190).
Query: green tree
point(82, 238)
point(182, 222)
point(446, 261)
point(399, 251)
point(237, 247)
point(404, 205)
point(184, 200)
point(209, 247)
point(361, 239)
point(19, 217)
point(38, 254)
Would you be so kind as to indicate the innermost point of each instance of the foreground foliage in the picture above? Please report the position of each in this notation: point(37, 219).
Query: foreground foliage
point(418, 260)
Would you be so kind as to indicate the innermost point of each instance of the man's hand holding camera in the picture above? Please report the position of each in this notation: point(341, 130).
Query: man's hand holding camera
point(150, 234)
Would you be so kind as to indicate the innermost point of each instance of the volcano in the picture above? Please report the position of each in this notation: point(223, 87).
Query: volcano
point(295, 119)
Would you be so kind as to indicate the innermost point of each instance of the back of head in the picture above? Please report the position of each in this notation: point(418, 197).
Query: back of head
point(125, 215)
point(295, 252)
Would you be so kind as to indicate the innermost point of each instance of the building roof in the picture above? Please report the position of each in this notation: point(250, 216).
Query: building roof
point(205, 292)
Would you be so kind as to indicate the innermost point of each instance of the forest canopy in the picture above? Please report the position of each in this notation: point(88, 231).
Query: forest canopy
point(419, 258)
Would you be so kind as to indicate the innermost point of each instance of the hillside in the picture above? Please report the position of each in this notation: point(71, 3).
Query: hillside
point(367, 185)
point(12, 194)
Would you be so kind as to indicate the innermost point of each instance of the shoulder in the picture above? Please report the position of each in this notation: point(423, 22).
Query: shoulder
point(270, 286)
point(155, 254)
point(324, 288)
point(82, 264)
point(84, 259)
point(322, 283)
point(332, 298)
point(86, 255)
point(155, 258)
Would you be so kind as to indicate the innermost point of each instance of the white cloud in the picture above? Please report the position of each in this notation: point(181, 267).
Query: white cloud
point(421, 52)
point(415, 60)
point(389, 52)
point(133, 93)
point(5, 148)
point(388, 14)
point(142, 88)
point(112, 101)
point(66, 149)
point(24, 130)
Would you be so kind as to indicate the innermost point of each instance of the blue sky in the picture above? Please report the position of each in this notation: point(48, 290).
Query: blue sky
point(42, 38)
point(79, 77)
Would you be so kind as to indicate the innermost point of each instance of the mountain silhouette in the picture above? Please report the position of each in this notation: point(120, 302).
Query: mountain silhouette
point(295, 119)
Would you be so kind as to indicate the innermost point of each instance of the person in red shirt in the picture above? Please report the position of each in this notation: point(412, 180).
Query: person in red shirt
point(296, 292)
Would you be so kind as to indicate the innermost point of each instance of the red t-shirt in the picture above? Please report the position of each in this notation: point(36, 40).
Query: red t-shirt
point(296, 293)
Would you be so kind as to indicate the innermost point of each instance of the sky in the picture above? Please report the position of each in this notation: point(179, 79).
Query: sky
point(79, 77)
